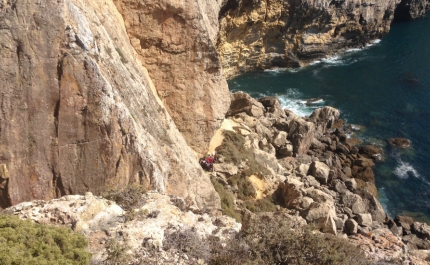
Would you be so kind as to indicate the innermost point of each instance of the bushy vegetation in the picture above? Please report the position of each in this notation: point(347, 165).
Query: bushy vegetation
point(24, 242)
point(116, 253)
point(128, 197)
point(261, 205)
point(263, 240)
point(233, 149)
point(266, 242)
point(245, 188)
point(227, 200)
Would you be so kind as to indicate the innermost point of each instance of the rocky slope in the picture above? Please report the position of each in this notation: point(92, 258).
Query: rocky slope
point(159, 224)
point(79, 112)
point(314, 171)
point(271, 33)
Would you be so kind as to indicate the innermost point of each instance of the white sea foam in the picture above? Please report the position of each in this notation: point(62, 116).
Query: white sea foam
point(404, 170)
point(373, 42)
point(276, 70)
point(333, 60)
point(293, 100)
point(353, 50)
point(318, 101)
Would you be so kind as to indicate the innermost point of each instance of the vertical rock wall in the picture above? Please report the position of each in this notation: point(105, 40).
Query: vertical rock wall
point(79, 112)
point(175, 42)
point(259, 34)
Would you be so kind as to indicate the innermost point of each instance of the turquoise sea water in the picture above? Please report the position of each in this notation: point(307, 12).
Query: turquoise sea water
point(384, 87)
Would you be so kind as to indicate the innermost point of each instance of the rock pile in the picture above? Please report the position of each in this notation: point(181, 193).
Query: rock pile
point(146, 233)
point(316, 173)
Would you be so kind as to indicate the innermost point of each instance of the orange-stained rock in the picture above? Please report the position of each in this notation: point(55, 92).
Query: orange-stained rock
point(175, 41)
point(79, 112)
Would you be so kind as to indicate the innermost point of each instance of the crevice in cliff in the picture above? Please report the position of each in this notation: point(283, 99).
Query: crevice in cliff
point(5, 200)
point(57, 183)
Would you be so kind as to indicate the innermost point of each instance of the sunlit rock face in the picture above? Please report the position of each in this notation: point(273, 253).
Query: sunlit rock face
point(79, 112)
point(259, 34)
point(175, 41)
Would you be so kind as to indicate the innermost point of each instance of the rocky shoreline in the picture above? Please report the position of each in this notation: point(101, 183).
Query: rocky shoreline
point(319, 174)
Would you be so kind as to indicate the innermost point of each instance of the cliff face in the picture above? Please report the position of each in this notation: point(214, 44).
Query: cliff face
point(175, 41)
point(79, 112)
point(273, 33)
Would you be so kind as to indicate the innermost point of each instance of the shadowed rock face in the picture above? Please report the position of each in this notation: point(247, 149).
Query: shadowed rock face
point(175, 41)
point(411, 9)
point(79, 112)
point(272, 33)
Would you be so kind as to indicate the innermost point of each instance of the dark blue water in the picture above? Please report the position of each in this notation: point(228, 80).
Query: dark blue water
point(384, 87)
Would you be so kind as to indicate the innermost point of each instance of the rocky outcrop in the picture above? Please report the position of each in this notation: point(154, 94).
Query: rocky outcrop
point(78, 111)
point(271, 33)
point(329, 183)
point(175, 40)
point(147, 233)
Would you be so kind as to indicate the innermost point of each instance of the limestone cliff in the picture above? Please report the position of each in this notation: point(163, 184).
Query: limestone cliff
point(79, 112)
point(274, 33)
point(175, 41)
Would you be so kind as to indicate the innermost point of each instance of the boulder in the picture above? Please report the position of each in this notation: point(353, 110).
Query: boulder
point(351, 184)
point(414, 242)
point(363, 162)
point(300, 134)
point(302, 169)
point(371, 151)
point(323, 215)
point(340, 221)
point(400, 142)
point(243, 102)
point(280, 139)
point(272, 105)
point(320, 171)
point(405, 222)
point(353, 202)
point(286, 150)
point(340, 187)
point(317, 145)
point(364, 219)
point(290, 193)
point(324, 118)
point(351, 227)
point(421, 253)
point(226, 168)
point(347, 172)
point(372, 206)
point(396, 230)
point(311, 181)
point(422, 230)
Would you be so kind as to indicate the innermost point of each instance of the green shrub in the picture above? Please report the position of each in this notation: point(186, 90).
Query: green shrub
point(245, 188)
point(265, 241)
point(116, 252)
point(128, 197)
point(227, 200)
point(233, 150)
point(24, 242)
point(261, 205)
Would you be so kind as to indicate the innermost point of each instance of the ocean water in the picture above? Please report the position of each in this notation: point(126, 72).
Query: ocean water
point(384, 88)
